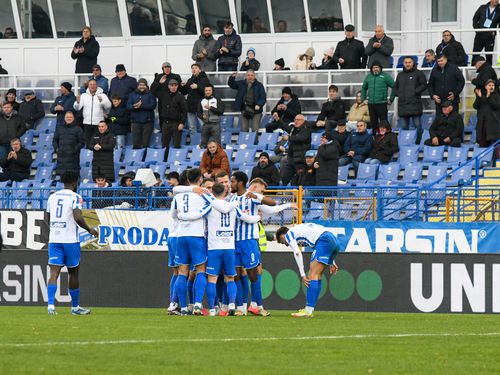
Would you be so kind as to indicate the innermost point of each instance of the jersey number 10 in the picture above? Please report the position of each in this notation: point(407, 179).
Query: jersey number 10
point(225, 220)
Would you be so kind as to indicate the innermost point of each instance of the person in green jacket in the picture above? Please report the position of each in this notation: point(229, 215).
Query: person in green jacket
point(374, 93)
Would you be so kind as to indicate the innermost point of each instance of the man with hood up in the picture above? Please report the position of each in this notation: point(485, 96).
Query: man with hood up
point(203, 50)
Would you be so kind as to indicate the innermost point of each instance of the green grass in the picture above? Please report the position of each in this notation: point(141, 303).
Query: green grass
point(164, 344)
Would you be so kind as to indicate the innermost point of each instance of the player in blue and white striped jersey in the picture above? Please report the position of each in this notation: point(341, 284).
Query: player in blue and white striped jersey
point(326, 248)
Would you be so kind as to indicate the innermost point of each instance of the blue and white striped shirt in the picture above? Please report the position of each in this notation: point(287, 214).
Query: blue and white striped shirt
point(245, 231)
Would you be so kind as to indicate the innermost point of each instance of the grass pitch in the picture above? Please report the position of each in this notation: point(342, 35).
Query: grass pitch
point(147, 341)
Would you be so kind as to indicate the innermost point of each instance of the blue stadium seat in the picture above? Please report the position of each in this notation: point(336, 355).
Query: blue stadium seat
point(367, 172)
point(413, 173)
point(86, 173)
point(484, 159)
point(471, 124)
point(46, 125)
point(311, 118)
point(427, 120)
point(117, 155)
point(408, 154)
point(155, 140)
point(86, 157)
point(230, 152)
point(425, 136)
point(226, 138)
point(407, 137)
point(246, 138)
point(389, 172)
point(473, 137)
point(267, 141)
point(461, 175)
point(177, 168)
point(226, 123)
point(154, 156)
point(133, 155)
point(44, 173)
point(247, 169)
point(343, 172)
point(436, 172)
point(177, 154)
point(316, 210)
point(40, 194)
point(196, 156)
point(43, 157)
point(402, 58)
point(266, 119)
point(457, 155)
point(195, 139)
point(433, 154)
point(44, 141)
point(245, 156)
point(27, 139)
point(315, 140)
point(161, 169)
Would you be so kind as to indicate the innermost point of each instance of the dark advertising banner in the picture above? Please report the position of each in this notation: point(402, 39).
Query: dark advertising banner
point(365, 282)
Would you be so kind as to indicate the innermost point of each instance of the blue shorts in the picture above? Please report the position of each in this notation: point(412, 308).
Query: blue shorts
point(221, 260)
point(325, 249)
point(247, 254)
point(171, 243)
point(64, 254)
point(191, 251)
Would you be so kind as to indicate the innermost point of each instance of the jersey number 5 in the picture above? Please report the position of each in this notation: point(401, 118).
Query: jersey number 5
point(59, 208)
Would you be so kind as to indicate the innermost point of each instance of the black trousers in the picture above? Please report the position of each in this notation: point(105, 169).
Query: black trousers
point(487, 44)
point(141, 133)
point(88, 133)
point(13, 176)
point(378, 112)
point(456, 142)
point(170, 131)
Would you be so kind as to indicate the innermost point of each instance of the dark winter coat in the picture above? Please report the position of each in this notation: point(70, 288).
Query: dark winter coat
point(451, 126)
point(409, 86)
point(292, 109)
point(484, 73)
point(103, 163)
point(122, 87)
point(360, 143)
point(208, 62)
point(328, 159)
point(242, 87)
point(31, 112)
point(119, 119)
point(454, 51)
point(194, 96)
point(333, 110)
point(382, 54)
point(253, 64)
point(488, 116)
point(384, 147)
point(68, 141)
point(172, 106)
point(67, 102)
point(11, 127)
point(327, 65)
point(102, 197)
point(299, 142)
point(480, 17)
point(86, 60)
point(144, 114)
point(353, 53)
point(15, 105)
point(340, 138)
point(21, 165)
point(233, 44)
point(269, 173)
point(444, 81)
point(157, 87)
point(305, 178)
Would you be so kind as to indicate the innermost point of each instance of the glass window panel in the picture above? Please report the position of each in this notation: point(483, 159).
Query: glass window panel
point(7, 27)
point(326, 15)
point(444, 10)
point(35, 19)
point(144, 17)
point(179, 17)
point(214, 13)
point(69, 18)
point(288, 16)
point(252, 16)
point(104, 17)
point(369, 15)
point(393, 14)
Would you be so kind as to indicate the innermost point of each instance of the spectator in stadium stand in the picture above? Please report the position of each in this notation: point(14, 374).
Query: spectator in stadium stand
point(127, 195)
point(103, 144)
point(173, 179)
point(357, 146)
point(385, 145)
point(67, 143)
point(327, 161)
point(379, 48)
point(118, 120)
point(227, 49)
point(102, 81)
point(340, 134)
point(102, 196)
point(94, 104)
point(203, 50)
point(484, 71)
point(250, 100)
point(327, 62)
point(487, 16)
point(429, 59)
point(210, 108)
point(304, 61)
point(11, 126)
point(11, 98)
point(161, 81)
point(266, 170)
point(159, 181)
point(307, 176)
point(280, 64)
point(250, 62)
point(487, 104)
point(16, 164)
point(332, 111)
point(358, 112)
point(141, 104)
point(447, 129)
point(299, 142)
point(281, 156)
point(85, 52)
point(214, 160)
point(194, 88)
point(446, 82)
point(2, 70)
point(172, 109)
point(31, 109)
point(350, 52)
point(409, 86)
point(452, 49)
point(122, 84)
point(374, 92)
point(284, 111)
point(63, 103)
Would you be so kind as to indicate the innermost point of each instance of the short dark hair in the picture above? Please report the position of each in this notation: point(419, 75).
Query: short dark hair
point(210, 85)
point(228, 24)
point(207, 179)
point(196, 64)
point(7, 103)
point(193, 175)
point(116, 97)
point(205, 26)
point(173, 175)
point(333, 87)
point(258, 180)
point(281, 231)
point(431, 51)
point(440, 56)
point(157, 175)
point(100, 175)
point(218, 189)
point(183, 178)
point(241, 177)
point(221, 174)
point(70, 177)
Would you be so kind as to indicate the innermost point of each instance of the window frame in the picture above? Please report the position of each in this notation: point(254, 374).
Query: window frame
point(444, 22)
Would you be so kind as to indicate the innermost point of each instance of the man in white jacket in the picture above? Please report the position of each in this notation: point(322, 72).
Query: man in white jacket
point(94, 104)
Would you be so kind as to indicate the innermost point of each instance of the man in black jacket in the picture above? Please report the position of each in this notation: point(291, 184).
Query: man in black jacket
point(68, 141)
point(340, 134)
point(452, 49)
point(327, 161)
point(31, 109)
point(227, 49)
point(161, 80)
point(85, 52)
point(284, 111)
point(487, 16)
point(484, 71)
point(445, 83)
point(194, 88)
point(266, 170)
point(350, 52)
point(385, 145)
point(332, 111)
point(103, 144)
point(447, 129)
point(16, 164)
point(299, 142)
point(11, 126)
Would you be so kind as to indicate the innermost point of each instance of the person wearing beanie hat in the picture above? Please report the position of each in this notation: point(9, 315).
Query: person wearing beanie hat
point(487, 104)
point(11, 98)
point(484, 72)
point(102, 81)
point(31, 109)
point(379, 48)
point(327, 62)
point(304, 61)
point(266, 170)
point(327, 161)
point(251, 62)
point(385, 145)
point(284, 111)
point(122, 84)
point(63, 103)
point(340, 134)
point(141, 104)
point(280, 64)
point(448, 129)
point(350, 52)
point(85, 52)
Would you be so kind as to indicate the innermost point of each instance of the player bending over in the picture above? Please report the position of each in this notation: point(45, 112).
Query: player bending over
point(325, 247)
point(64, 215)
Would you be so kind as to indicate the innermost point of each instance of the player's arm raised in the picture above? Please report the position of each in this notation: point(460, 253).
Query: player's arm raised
point(179, 189)
point(223, 207)
point(260, 199)
point(250, 219)
point(190, 216)
point(77, 214)
point(270, 210)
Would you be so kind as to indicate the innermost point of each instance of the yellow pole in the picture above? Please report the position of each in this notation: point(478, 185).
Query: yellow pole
point(299, 205)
